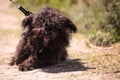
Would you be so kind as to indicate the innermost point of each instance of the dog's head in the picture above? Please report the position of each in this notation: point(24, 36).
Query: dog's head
point(48, 25)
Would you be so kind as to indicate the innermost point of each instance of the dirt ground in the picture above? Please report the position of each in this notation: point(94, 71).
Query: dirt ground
point(77, 67)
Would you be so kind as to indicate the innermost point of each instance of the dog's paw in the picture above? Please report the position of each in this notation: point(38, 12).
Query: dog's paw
point(22, 68)
point(11, 63)
point(25, 68)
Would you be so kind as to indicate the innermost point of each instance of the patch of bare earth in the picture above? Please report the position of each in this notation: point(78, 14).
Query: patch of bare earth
point(85, 62)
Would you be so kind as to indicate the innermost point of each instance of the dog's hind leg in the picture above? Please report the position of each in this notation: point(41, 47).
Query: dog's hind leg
point(63, 54)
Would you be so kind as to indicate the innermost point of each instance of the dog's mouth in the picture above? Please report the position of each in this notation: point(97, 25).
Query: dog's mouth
point(46, 40)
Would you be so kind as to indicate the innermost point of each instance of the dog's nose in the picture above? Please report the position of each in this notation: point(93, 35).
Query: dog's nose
point(47, 33)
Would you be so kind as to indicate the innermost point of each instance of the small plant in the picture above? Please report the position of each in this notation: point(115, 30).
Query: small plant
point(100, 39)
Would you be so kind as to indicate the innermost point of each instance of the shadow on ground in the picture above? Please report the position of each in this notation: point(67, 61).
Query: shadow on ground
point(67, 66)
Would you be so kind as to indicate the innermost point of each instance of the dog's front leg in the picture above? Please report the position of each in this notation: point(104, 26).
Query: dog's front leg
point(29, 64)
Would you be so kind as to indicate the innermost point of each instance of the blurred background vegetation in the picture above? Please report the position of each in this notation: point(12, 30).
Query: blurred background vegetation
point(99, 20)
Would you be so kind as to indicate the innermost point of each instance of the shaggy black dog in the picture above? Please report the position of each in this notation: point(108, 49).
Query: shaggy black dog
point(44, 39)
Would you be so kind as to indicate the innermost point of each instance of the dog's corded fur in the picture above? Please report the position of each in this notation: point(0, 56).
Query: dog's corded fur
point(44, 39)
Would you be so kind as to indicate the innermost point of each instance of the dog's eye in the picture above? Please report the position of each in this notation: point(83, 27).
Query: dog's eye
point(32, 33)
point(58, 30)
point(48, 29)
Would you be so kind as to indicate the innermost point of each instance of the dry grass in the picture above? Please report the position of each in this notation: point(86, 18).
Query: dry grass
point(103, 60)
point(8, 41)
point(9, 37)
point(9, 33)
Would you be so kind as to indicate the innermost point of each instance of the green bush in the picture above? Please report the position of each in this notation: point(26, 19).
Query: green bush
point(111, 25)
point(113, 19)
point(36, 4)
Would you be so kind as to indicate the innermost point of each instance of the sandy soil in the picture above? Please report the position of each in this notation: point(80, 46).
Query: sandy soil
point(72, 69)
